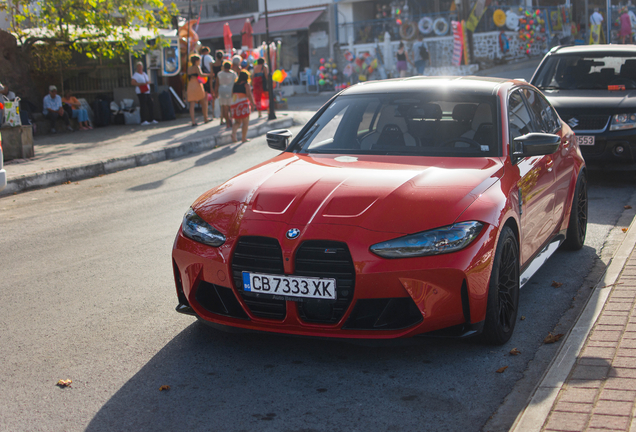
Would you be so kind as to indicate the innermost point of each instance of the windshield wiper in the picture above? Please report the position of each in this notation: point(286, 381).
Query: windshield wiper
point(550, 88)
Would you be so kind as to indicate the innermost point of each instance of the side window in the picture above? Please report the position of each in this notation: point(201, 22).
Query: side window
point(550, 117)
point(519, 118)
point(535, 103)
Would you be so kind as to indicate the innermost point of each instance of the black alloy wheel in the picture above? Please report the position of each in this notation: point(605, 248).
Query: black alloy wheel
point(577, 228)
point(503, 291)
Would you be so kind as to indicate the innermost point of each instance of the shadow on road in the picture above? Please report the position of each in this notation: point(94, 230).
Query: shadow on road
point(208, 158)
point(239, 381)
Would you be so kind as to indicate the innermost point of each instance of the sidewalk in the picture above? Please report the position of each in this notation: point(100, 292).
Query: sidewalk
point(591, 383)
point(84, 154)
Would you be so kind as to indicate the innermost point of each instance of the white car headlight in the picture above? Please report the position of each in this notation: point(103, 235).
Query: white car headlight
point(195, 228)
point(623, 121)
point(433, 242)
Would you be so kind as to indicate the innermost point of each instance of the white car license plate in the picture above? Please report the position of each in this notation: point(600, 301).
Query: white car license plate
point(290, 286)
point(585, 140)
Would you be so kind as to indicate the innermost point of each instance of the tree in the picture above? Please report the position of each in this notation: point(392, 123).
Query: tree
point(96, 28)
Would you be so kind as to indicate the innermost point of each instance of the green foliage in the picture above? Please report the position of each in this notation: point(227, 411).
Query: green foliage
point(96, 28)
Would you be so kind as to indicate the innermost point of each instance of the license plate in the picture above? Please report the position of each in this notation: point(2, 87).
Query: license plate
point(295, 287)
point(585, 140)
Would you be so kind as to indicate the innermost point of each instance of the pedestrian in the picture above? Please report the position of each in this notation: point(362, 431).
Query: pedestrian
point(224, 85)
point(53, 109)
point(216, 68)
point(421, 55)
point(78, 112)
point(402, 60)
point(626, 26)
point(4, 90)
point(242, 98)
point(206, 67)
point(142, 87)
point(196, 92)
point(236, 64)
point(596, 30)
point(259, 85)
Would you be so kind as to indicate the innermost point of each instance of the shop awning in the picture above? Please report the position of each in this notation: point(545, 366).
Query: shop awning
point(211, 30)
point(288, 21)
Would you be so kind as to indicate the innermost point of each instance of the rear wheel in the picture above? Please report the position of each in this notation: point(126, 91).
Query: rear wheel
point(577, 227)
point(503, 291)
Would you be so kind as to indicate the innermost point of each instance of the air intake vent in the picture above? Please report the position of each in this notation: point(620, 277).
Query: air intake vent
point(259, 255)
point(326, 259)
point(219, 300)
point(383, 314)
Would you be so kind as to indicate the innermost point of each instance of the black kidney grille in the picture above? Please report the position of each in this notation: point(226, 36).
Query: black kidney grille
point(259, 255)
point(326, 259)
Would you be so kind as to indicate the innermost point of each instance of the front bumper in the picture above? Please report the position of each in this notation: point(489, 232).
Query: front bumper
point(611, 150)
point(390, 298)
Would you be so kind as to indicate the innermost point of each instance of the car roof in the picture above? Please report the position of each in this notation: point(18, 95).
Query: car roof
point(594, 49)
point(477, 85)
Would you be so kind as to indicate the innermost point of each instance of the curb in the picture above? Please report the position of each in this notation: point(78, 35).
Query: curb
point(533, 416)
point(81, 172)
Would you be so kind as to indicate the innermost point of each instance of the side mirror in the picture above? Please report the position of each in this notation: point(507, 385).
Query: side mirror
point(535, 144)
point(278, 139)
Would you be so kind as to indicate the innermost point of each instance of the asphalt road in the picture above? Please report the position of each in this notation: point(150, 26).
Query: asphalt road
point(87, 293)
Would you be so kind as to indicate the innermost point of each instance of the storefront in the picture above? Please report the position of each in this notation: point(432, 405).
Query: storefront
point(304, 35)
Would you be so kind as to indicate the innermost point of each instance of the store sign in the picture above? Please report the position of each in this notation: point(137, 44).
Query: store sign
point(319, 39)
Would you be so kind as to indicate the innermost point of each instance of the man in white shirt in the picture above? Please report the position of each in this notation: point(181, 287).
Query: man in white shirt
point(596, 18)
point(53, 109)
point(142, 87)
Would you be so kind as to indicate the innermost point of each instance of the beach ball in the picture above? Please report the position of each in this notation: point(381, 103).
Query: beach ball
point(321, 82)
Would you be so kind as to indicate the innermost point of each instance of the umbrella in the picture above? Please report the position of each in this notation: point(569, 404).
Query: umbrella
point(227, 39)
point(246, 35)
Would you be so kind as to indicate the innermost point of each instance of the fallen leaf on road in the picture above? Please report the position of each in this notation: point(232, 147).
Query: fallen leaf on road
point(502, 369)
point(557, 284)
point(164, 387)
point(522, 317)
point(627, 207)
point(64, 383)
point(624, 229)
point(515, 352)
point(550, 338)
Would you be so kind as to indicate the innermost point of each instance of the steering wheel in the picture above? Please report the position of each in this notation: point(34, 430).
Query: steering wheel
point(469, 141)
point(628, 83)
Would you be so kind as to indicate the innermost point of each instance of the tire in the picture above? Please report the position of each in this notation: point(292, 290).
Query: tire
point(577, 228)
point(503, 291)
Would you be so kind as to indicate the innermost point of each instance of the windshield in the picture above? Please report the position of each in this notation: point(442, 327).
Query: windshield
point(570, 72)
point(440, 124)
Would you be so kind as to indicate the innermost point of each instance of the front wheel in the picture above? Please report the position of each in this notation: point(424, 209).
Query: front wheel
point(503, 291)
point(577, 228)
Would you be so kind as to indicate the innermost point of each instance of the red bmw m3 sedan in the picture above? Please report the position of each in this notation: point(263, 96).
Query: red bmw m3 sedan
point(403, 207)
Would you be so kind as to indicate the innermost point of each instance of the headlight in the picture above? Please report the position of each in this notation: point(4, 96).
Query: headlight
point(199, 230)
point(434, 242)
point(623, 121)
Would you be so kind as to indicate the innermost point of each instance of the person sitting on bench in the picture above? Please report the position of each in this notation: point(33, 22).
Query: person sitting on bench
point(53, 109)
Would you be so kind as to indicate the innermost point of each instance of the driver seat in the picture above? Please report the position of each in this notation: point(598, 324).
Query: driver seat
point(479, 127)
point(386, 134)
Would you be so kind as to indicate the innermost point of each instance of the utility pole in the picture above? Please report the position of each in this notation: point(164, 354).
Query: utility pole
point(270, 82)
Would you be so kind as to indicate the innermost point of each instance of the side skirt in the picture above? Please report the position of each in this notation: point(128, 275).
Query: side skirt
point(535, 264)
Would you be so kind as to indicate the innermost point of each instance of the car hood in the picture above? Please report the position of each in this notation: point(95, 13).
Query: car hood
point(380, 193)
point(591, 99)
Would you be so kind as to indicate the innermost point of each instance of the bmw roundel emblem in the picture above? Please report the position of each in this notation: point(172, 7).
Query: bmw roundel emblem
point(293, 233)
